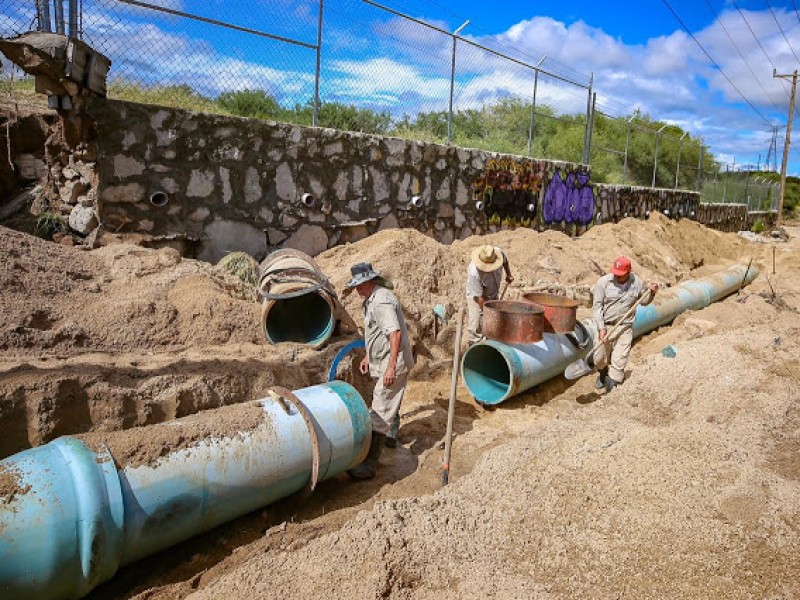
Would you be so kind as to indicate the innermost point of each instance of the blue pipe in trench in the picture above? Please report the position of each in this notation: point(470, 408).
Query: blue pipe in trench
point(74, 510)
point(495, 371)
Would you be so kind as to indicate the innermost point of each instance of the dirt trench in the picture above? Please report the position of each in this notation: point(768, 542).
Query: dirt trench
point(134, 364)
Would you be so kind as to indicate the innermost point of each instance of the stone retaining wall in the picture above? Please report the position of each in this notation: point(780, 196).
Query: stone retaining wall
point(211, 184)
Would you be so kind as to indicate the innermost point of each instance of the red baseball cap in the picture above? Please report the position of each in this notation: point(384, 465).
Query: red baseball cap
point(621, 266)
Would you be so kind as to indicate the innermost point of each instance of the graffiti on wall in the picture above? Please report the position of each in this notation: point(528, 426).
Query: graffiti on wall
point(518, 193)
point(568, 199)
point(508, 191)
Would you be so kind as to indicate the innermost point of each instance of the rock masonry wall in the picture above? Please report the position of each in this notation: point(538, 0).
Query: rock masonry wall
point(211, 184)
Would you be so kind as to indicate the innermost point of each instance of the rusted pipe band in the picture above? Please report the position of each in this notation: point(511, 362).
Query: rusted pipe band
point(312, 431)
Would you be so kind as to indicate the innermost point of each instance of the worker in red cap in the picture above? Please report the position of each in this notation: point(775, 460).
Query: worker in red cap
point(614, 294)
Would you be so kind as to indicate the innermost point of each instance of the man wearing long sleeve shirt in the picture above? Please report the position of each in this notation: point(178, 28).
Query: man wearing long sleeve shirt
point(389, 358)
point(484, 276)
point(614, 294)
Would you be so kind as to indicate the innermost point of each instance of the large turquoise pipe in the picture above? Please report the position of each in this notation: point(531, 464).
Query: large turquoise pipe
point(71, 514)
point(495, 371)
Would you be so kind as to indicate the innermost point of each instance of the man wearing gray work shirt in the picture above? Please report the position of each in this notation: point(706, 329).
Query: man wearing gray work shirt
point(614, 295)
point(484, 276)
point(389, 358)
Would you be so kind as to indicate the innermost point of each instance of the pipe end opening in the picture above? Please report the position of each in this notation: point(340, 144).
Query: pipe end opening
point(306, 319)
point(486, 374)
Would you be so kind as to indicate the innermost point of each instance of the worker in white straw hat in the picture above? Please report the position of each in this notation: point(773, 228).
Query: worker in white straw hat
point(484, 276)
point(389, 359)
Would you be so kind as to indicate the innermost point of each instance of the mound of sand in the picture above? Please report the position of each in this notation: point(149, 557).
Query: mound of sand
point(117, 298)
point(683, 482)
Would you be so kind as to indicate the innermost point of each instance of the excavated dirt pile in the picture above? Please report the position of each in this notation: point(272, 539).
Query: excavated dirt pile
point(682, 482)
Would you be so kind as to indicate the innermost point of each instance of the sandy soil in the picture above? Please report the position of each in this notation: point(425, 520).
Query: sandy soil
point(684, 482)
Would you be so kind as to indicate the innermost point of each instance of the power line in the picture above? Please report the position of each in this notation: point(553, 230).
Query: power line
point(795, 11)
point(725, 29)
point(755, 37)
point(733, 85)
point(781, 29)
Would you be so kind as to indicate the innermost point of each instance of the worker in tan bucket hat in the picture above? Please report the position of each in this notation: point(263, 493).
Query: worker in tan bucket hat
point(484, 276)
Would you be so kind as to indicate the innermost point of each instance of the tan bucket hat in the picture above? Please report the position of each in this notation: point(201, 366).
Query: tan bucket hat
point(487, 258)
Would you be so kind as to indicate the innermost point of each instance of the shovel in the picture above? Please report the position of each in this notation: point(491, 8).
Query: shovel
point(580, 367)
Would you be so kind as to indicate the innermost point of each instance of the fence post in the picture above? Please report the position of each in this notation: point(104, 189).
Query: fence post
point(678, 165)
point(453, 82)
point(58, 9)
point(627, 144)
point(585, 158)
point(655, 160)
point(725, 186)
point(747, 185)
point(43, 12)
point(315, 114)
point(533, 110)
point(591, 130)
point(716, 173)
point(74, 32)
point(700, 170)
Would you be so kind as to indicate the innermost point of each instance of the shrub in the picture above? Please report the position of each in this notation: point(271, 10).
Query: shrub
point(241, 265)
point(758, 226)
point(50, 223)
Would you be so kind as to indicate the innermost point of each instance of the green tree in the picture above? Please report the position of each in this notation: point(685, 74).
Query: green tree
point(251, 103)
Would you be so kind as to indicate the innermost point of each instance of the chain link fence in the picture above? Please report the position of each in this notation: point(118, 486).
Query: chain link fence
point(360, 66)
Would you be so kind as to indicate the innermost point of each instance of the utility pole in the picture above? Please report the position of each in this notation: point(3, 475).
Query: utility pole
point(786, 144)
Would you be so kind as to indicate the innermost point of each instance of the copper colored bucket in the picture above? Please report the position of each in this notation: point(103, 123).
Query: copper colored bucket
point(512, 322)
point(559, 311)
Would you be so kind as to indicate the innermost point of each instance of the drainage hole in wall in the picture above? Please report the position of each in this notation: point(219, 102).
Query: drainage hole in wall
point(159, 199)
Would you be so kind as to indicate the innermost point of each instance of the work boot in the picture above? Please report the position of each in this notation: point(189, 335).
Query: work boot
point(600, 382)
point(394, 428)
point(369, 468)
point(610, 384)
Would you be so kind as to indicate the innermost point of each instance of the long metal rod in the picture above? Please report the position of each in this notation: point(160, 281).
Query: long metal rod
point(627, 145)
point(591, 130)
point(655, 160)
point(43, 8)
point(451, 407)
point(700, 170)
point(585, 157)
point(74, 32)
point(452, 90)
point(533, 113)
point(58, 6)
point(471, 43)
point(215, 22)
point(314, 116)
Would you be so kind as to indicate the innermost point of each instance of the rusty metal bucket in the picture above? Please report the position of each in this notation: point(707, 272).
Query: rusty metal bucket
point(512, 321)
point(559, 311)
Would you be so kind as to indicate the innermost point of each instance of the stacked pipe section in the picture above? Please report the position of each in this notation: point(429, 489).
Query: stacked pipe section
point(495, 371)
point(299, 302)
point(74, 510)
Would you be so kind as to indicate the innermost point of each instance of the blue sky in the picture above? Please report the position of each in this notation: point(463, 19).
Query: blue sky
point(638, 53)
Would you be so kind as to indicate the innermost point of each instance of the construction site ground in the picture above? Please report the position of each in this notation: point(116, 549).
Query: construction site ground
point(682, 483)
